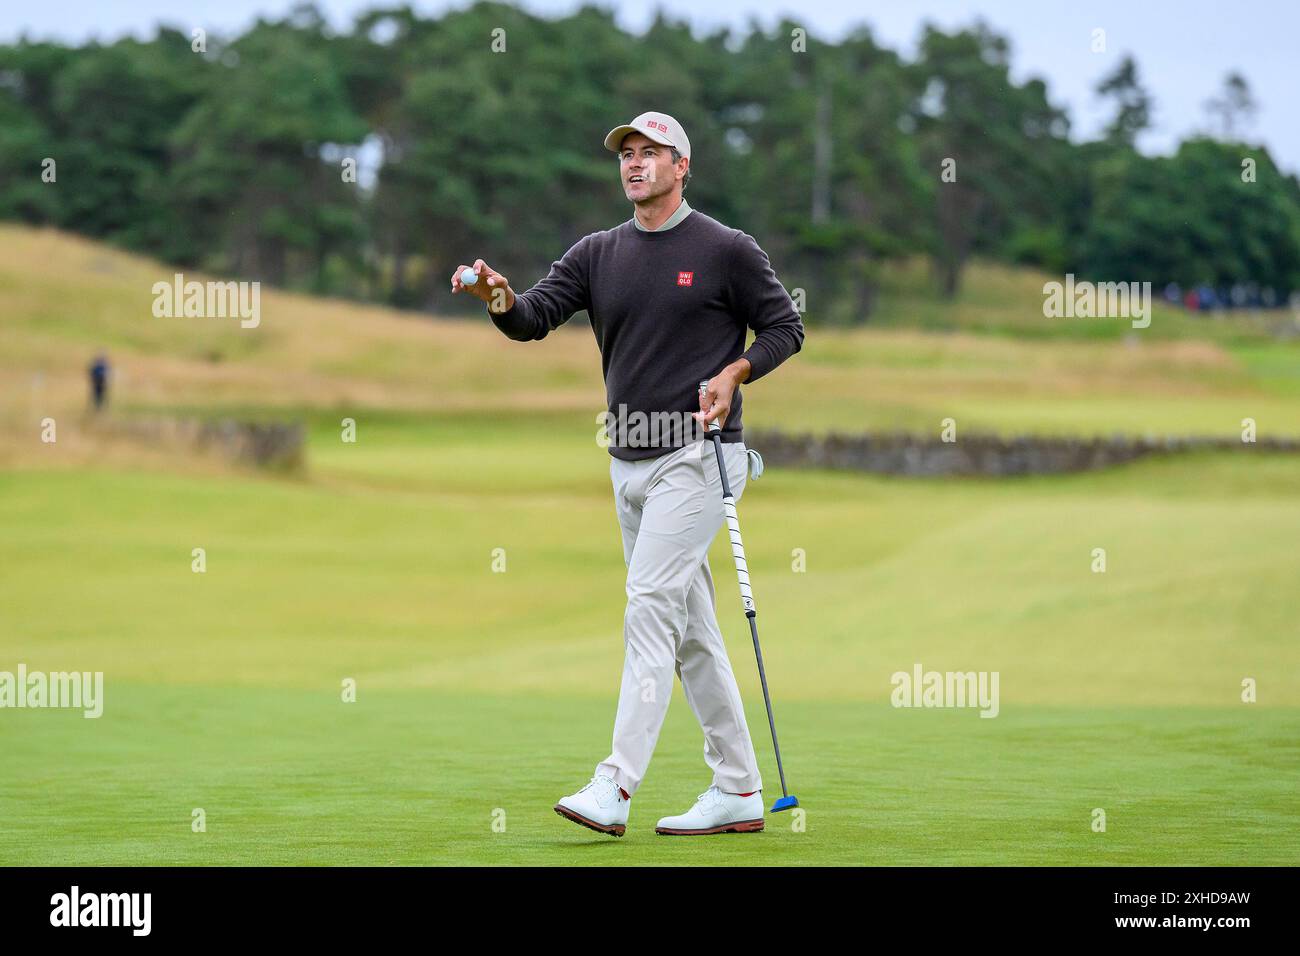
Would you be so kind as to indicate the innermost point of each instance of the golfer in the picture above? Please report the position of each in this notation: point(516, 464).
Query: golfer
point(670, 294)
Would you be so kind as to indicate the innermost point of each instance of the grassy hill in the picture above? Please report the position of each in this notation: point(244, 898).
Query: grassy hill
point(63, 297)
point(481, 692)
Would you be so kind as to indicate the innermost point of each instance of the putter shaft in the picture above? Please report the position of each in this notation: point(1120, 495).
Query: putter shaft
point(746, 593)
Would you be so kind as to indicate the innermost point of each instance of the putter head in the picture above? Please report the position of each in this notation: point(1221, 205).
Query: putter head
point(785, 803)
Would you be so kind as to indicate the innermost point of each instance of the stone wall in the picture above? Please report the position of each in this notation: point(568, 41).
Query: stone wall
point(987, 455)
point(274, 445)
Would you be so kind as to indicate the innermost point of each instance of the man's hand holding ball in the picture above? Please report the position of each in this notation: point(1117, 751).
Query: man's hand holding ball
point(495, 291)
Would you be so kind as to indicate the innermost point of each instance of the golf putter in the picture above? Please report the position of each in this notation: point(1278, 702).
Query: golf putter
point(787, 800)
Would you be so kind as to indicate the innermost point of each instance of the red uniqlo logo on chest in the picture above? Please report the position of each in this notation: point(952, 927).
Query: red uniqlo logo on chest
point(685, 278)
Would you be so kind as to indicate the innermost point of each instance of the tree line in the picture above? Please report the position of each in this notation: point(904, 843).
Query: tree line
point(367, 163)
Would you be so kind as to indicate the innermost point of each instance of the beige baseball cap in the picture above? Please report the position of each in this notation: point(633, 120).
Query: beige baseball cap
point(659, 127)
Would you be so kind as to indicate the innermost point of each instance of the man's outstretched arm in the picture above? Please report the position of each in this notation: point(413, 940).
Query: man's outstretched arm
point(546, 306)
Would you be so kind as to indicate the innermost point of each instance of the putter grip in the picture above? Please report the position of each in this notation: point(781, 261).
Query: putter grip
point(738, 554)
point(713, 425)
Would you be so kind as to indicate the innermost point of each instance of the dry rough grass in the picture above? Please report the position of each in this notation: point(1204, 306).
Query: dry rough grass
point(62, 297)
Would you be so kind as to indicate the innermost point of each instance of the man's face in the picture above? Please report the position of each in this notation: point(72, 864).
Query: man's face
point(647, 168)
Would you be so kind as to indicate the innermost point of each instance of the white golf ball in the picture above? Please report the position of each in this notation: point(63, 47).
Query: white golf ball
point(468, 277)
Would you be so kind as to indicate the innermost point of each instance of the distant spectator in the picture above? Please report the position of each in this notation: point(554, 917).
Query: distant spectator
point(99, 371)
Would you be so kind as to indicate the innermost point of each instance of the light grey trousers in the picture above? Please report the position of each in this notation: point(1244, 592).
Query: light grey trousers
point(670, 510)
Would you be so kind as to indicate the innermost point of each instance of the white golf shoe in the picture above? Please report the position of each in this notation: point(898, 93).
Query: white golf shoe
point(717, 812)
point(598, 806)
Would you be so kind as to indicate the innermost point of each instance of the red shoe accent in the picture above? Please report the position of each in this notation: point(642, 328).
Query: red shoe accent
point(626, 795)
point(750, 794)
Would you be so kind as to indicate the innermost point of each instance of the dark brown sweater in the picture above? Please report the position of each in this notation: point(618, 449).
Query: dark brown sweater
point(669, 310)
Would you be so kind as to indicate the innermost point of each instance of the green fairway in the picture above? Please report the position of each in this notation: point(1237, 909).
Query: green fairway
point(482, 692)
point(410, 777)
point(484, 695)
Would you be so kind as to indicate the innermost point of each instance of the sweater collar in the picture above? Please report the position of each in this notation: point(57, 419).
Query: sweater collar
point(681, 213)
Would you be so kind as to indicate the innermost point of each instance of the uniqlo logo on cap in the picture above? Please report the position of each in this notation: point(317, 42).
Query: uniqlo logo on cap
point(685, 278)
point(662, 127)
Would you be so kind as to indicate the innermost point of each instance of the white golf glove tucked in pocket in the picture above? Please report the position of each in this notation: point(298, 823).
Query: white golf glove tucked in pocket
point(755, 464)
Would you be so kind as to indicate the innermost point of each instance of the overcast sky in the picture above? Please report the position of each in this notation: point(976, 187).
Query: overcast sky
point(1184, 48)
